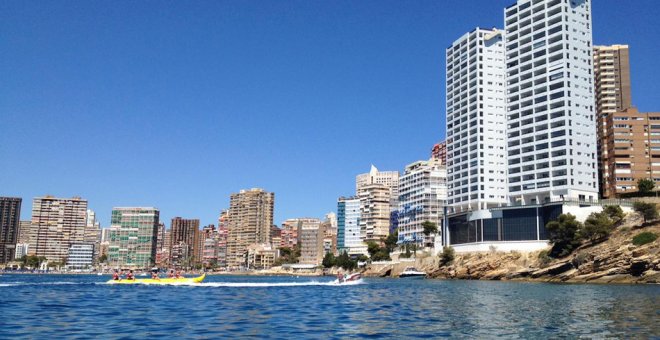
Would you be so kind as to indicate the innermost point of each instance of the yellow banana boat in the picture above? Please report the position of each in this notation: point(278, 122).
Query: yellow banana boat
point(163, 281)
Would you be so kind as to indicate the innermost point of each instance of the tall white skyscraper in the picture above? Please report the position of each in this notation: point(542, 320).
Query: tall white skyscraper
point(476, 130)
point(550, 99)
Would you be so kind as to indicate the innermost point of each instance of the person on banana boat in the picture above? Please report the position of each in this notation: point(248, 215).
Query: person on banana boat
point(115, 275)
point(130, 275)
point(154, 274)
point(178, 274)
point(171, 274)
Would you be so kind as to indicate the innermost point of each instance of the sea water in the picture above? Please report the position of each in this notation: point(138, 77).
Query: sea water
point(82, 306)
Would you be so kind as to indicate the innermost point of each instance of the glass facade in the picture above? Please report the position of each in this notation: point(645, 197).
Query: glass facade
point(517, 224)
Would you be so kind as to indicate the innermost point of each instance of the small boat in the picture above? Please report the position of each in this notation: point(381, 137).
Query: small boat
point(163, 281)
point(411, 272)
point(350, 278)
point(99, 274)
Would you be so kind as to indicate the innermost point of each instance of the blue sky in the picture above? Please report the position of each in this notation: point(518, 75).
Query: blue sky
point(178, 104)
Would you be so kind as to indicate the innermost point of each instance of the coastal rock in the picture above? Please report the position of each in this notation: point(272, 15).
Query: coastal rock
point(555, 269)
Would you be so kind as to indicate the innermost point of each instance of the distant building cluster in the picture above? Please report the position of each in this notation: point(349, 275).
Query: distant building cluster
point(539, 122)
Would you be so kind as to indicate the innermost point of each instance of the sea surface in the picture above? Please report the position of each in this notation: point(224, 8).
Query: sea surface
point(81, 306)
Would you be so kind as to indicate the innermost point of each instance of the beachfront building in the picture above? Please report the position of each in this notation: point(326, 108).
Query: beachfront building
point(57, 223)
point(93, 232)
point(476, 130)
point(132, 236)
point(375, 210)
point(550, 158)
point(209, 236)
point(422, 198)
point(439, 152)
point(625, 144)
point(260, 256)
point(289, 233)
point(182, 241)
point(21, 250)
point(633, 150)
point(550, 102)
point(348, 226)
point(250, 217)
point(10, 215)
point(24, 232)
point(311, 241)
point(80, 257)
point(223, 232)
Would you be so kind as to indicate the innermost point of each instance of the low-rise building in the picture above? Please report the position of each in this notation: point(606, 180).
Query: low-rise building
point(80, 256)
point(260, 256)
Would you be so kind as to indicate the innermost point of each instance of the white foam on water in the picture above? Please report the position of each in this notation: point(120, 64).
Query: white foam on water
point(273, 284)
point(252, 284)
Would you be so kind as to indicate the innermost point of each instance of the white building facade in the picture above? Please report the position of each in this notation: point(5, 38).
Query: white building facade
point(348, 226)
point(81, 256)
point(476, 129)
point(550, 99)
point(422, 197)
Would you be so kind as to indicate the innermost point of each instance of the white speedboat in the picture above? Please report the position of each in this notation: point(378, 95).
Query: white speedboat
point(412, 272)
point(349, 278)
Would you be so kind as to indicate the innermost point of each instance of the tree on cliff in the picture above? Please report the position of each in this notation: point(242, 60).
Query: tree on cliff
point(614, 212)
point(598, 226)
point(648, 211)
point(377, 252)
point(645, 185)
point(564, 235)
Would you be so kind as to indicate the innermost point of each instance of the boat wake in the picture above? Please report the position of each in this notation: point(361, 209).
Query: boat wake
point(14, 284)
point(190, 284)
point(268, 284)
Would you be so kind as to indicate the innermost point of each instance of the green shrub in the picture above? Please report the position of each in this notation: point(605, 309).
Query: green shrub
point(544, 258)
point(644, 238)
point(447, 256)
point(580, 259)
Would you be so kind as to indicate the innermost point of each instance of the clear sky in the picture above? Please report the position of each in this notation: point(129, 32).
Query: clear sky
point(178, 104)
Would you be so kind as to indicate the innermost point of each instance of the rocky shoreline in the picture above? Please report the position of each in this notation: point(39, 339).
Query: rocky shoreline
point(615, 260)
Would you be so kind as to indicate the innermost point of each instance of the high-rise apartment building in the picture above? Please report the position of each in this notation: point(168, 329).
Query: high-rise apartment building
point(612, 84)
point(422, 198)
point(92, 233)
point(633, 150)
point(550, 101)
point(57, 223)
point(133, 234)
point(209, 236)
point(476, 130)
point(348, 226)
point(183, 239)
point(250, 218)
point(390, 179)
point(289, 233)
point(375, 208)
point(10, 216)
point(223, 233)
point(24, 232)
point(439, 152)
point(311, 241)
